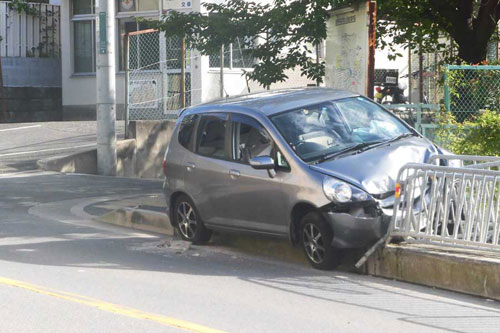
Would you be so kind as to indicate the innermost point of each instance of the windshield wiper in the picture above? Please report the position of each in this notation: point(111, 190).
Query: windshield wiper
point(401, 136)
point(357, 147)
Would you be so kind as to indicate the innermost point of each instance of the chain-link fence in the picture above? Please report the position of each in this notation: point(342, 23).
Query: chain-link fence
point(154, 76)
point(472, 89)
point(155, 85)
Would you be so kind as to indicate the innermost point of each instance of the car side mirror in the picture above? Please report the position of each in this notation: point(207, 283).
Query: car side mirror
point(262, 163)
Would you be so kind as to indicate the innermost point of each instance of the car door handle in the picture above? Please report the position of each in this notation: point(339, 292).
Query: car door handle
point(190, 166)
point(234, 173)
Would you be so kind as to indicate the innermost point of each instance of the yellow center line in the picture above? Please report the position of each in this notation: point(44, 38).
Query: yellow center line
point(110, 307)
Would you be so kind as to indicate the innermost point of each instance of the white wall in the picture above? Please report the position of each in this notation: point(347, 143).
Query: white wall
point(80, 89)
point(347, 50)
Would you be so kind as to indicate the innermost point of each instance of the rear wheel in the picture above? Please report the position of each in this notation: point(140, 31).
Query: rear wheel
point(316, 237)
point(188, 222)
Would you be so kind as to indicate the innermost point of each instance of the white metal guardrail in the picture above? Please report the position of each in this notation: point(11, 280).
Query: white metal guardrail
point(453, 206)
point(467, 161)
point(448, 205)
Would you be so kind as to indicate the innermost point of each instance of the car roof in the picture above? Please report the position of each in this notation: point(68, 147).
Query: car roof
point(276, 101)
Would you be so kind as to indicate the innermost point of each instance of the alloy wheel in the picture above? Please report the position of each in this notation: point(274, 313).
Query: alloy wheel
point(313, 243)
point(186, 219)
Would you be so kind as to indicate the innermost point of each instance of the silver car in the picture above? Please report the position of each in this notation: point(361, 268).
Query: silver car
point(315, 165)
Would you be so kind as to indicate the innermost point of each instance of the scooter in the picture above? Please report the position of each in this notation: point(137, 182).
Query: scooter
point(395, 92)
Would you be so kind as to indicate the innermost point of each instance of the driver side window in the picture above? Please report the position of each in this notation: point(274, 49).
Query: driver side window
point(250, 139)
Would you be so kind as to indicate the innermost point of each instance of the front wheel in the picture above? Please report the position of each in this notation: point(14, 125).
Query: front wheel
point(316, 238)
point(188, 222)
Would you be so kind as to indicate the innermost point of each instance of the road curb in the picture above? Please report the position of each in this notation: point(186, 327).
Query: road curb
point(470, 272)
point(467, 271)
point(146, 220)
point(139, 219)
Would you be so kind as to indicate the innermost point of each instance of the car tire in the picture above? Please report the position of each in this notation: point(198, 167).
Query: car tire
point(316, 238)
point(188, 222)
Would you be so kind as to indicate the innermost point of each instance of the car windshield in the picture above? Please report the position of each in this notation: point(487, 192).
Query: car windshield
point(329, 128)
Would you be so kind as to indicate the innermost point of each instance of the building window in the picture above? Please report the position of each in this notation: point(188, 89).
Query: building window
point(126, 6)
point(149, 46)
point(127, 13)
point(236, 55)
point(83, 20)
point(83, 7)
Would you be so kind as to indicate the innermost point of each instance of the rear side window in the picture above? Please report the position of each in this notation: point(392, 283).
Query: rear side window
point(212, 135)
point(186, 130)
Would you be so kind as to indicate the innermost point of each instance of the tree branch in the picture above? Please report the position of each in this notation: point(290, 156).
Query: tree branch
point(487, 19)
point(497, 12)
point(449, 18)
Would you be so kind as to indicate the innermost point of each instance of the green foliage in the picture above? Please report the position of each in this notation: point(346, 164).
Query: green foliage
point(287, 30)
point(478, 136)
point(429, 25)
point(21, 6)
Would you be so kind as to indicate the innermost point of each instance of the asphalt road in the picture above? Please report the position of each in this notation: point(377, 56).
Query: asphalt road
point(21, 145)
point(62, 272)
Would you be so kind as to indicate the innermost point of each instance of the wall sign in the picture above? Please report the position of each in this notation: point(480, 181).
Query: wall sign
point(103, 40)
point(177, 4)
point(345, 20)
point(126, 4)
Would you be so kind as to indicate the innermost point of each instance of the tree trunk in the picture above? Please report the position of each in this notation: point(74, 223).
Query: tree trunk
point(471, 32)
point(471, 51)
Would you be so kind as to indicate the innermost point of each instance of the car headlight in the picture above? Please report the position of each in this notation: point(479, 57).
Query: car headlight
point(341, 192)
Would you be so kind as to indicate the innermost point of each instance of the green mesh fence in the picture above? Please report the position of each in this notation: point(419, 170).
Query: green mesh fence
point(472, 89)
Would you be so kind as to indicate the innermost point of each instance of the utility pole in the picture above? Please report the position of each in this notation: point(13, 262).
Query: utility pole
point(106, 93)
point(372, 43)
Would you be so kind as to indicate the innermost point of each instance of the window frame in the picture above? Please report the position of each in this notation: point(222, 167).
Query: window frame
point(91, 17)
point(136, 12)
point(120, 15)
point(231, 57)
point(274, 147)
point(233, 135)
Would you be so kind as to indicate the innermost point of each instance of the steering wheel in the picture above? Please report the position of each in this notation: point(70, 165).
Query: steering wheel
point(336, 134)
point(297, 144)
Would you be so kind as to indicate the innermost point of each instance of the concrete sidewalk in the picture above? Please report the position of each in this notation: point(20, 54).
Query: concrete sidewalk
point(462, 270)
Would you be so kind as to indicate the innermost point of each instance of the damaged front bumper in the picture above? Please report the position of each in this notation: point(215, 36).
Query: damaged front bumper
point(357, 227)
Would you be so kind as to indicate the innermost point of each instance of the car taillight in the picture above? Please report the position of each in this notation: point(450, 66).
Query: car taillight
point(164, 167)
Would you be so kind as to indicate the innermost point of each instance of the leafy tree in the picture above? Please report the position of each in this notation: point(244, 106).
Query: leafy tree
point(422, 24)
point(289, 29)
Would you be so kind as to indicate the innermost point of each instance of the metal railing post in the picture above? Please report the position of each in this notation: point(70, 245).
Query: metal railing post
point(127, 82)
point(183, 73)
point(446, 89)
point(222, 71)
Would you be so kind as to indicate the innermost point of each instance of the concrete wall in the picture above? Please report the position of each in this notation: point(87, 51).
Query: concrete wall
point(140, 156)
point(28, 104)
point(347, 49)
point(31, 72)
point(152, 138)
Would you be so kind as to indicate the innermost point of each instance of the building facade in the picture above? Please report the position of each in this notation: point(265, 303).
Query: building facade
point(78, 53)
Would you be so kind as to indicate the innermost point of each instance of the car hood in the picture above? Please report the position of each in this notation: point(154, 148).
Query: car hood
point(376, 169)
